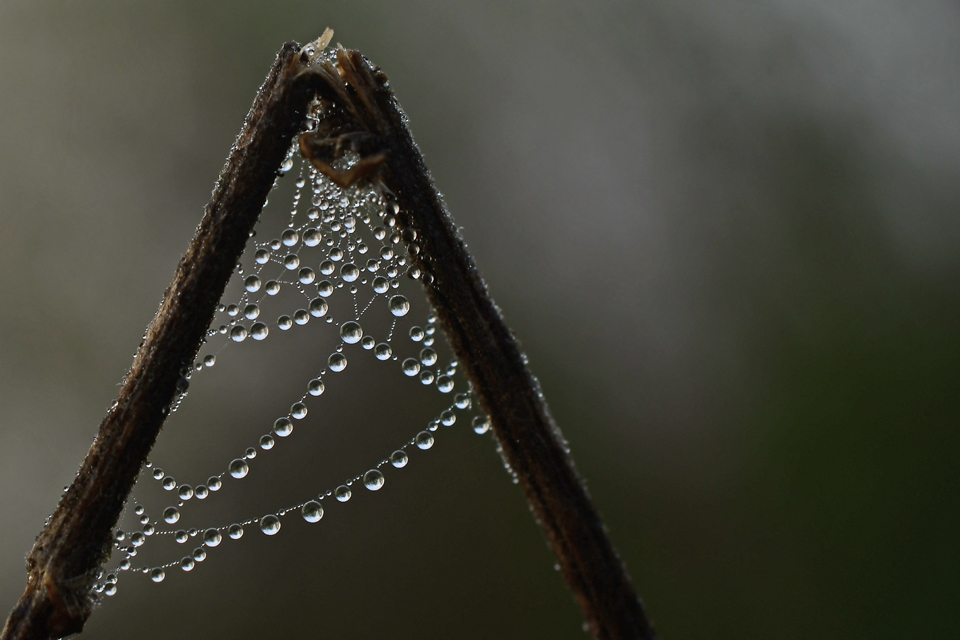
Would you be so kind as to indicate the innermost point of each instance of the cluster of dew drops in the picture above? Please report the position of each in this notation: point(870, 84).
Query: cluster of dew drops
point(336, 228)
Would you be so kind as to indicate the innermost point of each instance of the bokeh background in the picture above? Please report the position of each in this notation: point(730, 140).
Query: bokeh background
point(726, 233)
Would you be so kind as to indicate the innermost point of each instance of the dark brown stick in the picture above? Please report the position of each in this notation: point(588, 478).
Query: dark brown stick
point(62, 567)
point(354, 99)
point(507, 391)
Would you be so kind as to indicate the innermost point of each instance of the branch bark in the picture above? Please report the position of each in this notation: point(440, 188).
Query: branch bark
point(357, 109)
point(62, 567)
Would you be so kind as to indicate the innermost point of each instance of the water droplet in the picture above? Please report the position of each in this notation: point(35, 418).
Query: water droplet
point(379, 233)
point(250, 453)
point(349, 272)
point(327, 267)
point(373, 480)
point(286, 165)
point(199, 554)
point(235, 532)
point(368, 342)
point(351, 332)
point(337, 362)
point(315, 387)
point(239, 468)
point(292, 261)
point(201, 492)
point(301, 317)
point(181, 536)
point(325, 288)
point(137, 539)
point(448, 418)
point(266, 442)
point(185, 492)
point(386, 253)
point(306, 275)
point(428, 357)
point(380, 284)
point(211, 537)
point(125, 565)
point(298, 410)
point(252, 284)
point(214, 483)
point(424, 440)
point(290, 237)
point(445, 384)
point(426, 377)
point(284, 322)
point(480, 424)
point(336, 254)
point(312, 237)
point(188, 563)
point(262, 256)
point(416, 333)
point(157, 575)
point(251, 312)
point(232, 310)
point(273, 288)
point(270, 524)
point(283, 427)
point(343, 493)
point(399, 459)
point(312, 511)
point(171, 515)
point(259, 331)
point(210, 360)
point(372, 265)
point(462, 401)
point(157, 474)
point(399, 306)
point(238, 333)
point(411, 367)
point(169, 483)
point(384, 352)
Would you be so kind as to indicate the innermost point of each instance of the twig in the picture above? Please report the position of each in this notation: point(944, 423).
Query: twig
point(358, 105)
point(62, 567)
point(357, 110)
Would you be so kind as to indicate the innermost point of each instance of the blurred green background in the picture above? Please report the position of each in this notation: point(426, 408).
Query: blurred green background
point(726, 234)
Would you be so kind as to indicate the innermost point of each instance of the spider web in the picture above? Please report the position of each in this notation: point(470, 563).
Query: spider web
point(328, 285)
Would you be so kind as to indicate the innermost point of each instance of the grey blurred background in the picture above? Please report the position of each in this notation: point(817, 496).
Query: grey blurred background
point(726, 233)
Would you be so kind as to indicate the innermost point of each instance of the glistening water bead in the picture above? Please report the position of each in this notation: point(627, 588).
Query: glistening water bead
point(171, 515)
point(270, 524)
point(235, 531)
point(399, 306)
point(312, 511)
point(252, 284)
point(283, 427)
point(211, 537)
point(350, 332)
point(337, 362)
point(399, 458)
point(343, 493)
point(239, 468)
point(373, 480)
point(424, 440)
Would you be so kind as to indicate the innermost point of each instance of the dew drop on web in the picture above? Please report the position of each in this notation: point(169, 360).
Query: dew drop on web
point(373, 480)
point(239, 468)
point(270, 524)
point(312, 511)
